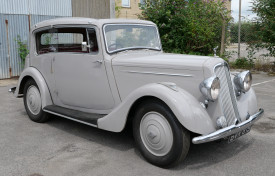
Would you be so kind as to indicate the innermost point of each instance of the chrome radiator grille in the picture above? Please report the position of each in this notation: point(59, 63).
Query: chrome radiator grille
point(227, 96)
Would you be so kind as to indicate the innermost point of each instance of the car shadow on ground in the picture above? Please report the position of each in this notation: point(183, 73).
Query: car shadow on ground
point(205, 155)
point(122, 141)
point(199, 156)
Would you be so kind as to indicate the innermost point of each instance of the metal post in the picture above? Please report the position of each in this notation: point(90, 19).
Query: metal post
point(239, 30)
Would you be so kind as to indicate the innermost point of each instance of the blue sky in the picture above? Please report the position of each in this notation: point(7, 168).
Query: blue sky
point(246, 9)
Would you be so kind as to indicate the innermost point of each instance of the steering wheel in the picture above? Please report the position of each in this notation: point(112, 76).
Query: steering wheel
point(117, 45)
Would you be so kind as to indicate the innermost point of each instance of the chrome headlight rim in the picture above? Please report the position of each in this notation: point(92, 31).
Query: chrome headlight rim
point(210, 88)
point(243, 81)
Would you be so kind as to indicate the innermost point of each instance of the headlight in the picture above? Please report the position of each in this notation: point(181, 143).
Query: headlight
point(210, 88)
point(243, 81)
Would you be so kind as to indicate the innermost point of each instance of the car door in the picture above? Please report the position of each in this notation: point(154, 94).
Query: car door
point(43, 54)
point(80, 76)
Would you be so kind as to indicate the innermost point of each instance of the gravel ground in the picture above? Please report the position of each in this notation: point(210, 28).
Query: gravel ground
point(65, 148)
point(233, 49)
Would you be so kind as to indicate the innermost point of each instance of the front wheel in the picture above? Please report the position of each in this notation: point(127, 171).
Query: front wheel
point(33, 102)
point(159, 136)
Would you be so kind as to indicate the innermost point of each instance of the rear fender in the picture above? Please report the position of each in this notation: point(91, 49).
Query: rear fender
point(186, 108)
point(33, 73)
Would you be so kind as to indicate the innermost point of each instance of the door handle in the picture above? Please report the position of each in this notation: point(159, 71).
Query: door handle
point(98, 61)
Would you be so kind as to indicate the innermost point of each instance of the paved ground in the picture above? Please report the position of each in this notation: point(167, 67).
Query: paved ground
point(66, 148)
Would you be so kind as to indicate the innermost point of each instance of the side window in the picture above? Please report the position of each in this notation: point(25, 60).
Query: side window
point(61, 40)
point(46, 41)
point(92, 40)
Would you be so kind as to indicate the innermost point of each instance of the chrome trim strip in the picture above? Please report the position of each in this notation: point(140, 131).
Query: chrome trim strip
point(154, 73)
point(218, 65)
point(225, 132)
point(66, 117)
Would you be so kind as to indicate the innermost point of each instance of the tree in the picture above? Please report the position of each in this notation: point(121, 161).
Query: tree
point(187, 26)
point(265, 10)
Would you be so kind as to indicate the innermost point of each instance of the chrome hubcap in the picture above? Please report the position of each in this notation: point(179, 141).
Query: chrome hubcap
point(33, 100)
point(156, 133)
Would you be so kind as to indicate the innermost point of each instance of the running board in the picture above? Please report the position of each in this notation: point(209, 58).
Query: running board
point(78, 116)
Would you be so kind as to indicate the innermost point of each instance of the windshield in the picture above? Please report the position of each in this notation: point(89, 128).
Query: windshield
point(120, 37)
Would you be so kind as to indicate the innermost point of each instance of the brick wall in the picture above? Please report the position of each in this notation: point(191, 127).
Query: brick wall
point(129, 12)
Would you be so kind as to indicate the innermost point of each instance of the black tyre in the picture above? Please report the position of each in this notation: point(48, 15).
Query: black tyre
point(33, 103)
point(161, 139)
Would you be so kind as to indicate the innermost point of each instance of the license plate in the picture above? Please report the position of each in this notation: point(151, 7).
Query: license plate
point(233, 137)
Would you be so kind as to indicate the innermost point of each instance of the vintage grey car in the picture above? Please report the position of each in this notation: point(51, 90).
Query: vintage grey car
point(112, 73)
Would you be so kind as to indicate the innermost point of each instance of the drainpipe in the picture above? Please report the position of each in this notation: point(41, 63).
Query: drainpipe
point(8, 44)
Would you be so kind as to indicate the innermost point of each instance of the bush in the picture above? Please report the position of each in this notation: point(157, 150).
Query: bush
point(22, 49)
point(266, 23)
point(243, 63)
point(192, 26)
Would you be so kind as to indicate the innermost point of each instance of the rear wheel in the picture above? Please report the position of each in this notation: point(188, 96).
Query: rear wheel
point(33, 102)
point(159, 136)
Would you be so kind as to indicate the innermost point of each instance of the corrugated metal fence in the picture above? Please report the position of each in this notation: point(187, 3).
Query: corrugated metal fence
point(16, 16)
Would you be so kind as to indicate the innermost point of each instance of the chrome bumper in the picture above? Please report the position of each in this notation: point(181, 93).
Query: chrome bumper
point(225, 132)
point(12, 90)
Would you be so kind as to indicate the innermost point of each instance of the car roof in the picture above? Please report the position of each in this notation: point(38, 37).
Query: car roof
point(87, 21)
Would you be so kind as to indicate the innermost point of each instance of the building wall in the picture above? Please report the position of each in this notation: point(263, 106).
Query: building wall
point(91, 8)
point(129, 12)
point(17, 16)
point(228, 4)
point(36, 7)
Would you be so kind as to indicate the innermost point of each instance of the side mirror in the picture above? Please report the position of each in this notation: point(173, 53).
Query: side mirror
point(84, 46)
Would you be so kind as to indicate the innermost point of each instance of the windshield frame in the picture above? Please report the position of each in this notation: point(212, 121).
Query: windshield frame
point(130, 48)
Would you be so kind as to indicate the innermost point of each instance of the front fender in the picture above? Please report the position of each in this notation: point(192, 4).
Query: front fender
point(186, 108)
point(40, 81)
point(247, 104)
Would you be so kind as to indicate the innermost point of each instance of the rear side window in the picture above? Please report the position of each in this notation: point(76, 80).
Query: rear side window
point(65, 40)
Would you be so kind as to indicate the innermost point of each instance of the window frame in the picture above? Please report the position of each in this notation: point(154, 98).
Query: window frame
point(141, 24)
point(86, 27)
point(127, 6)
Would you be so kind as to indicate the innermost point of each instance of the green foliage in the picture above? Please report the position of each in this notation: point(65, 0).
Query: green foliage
point(227, 55)
point(265, 10)
point(243, 63)
point(22, 48)
point(117, 8)
point(192, 26)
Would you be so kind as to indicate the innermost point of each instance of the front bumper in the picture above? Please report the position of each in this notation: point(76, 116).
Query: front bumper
point(225, 132)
